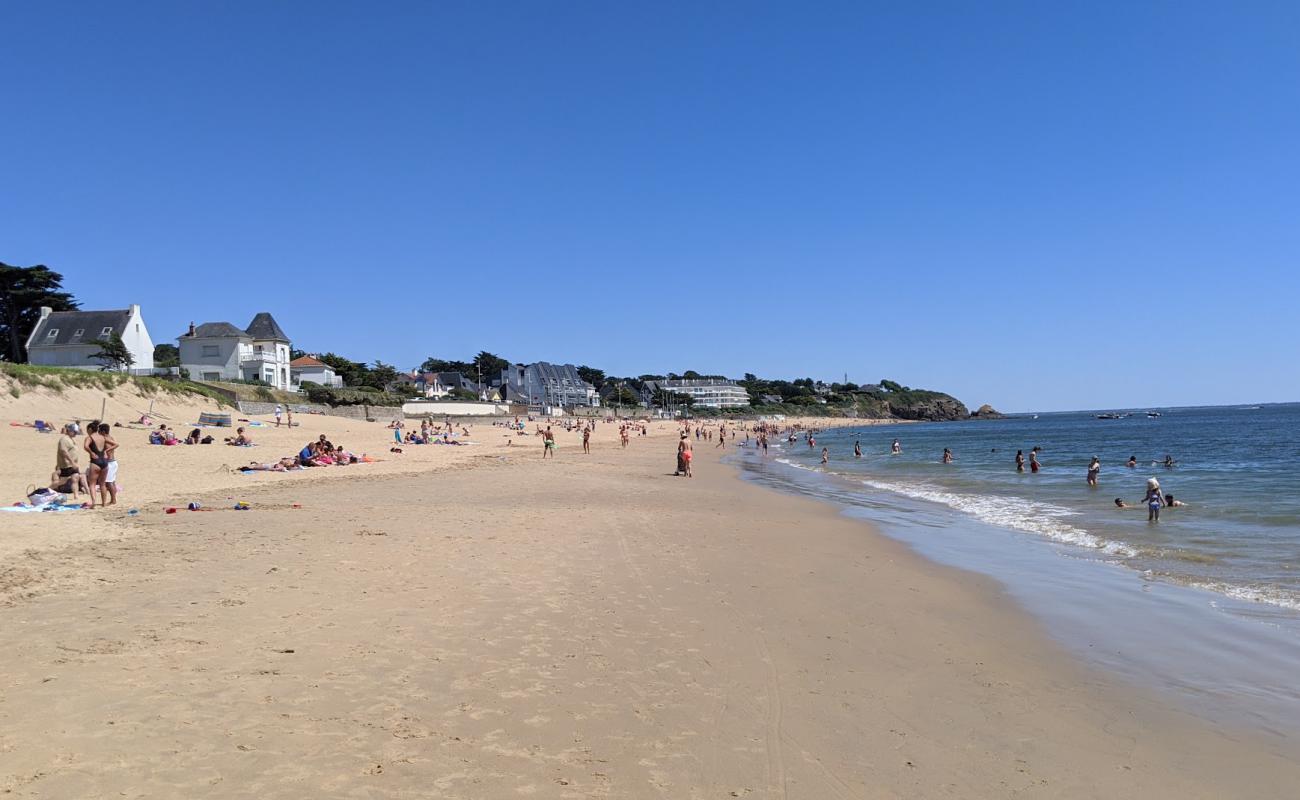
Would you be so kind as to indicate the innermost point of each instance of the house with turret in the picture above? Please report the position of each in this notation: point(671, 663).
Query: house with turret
point(220, 351)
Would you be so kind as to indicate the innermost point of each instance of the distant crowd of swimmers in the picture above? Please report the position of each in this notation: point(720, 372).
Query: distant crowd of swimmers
point(1154, 498)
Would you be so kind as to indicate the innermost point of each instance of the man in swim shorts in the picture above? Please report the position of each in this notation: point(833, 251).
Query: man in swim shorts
point(548, 443)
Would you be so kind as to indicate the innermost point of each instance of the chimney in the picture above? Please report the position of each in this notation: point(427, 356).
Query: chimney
point(191, 333)
point(134, 310)
point(46, 311)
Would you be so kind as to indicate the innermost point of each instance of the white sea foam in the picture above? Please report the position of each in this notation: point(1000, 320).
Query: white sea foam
point(1253, 594)
point(1017, 513)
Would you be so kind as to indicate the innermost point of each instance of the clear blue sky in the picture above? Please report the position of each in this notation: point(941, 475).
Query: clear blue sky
point(1037, 205)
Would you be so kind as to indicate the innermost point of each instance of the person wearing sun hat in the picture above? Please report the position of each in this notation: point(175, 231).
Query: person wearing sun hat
point(1154, 499)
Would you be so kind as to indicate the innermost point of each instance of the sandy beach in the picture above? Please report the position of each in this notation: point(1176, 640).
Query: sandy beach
point(475, 622)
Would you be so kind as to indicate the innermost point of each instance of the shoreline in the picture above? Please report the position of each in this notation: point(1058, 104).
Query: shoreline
point(582, 627)
point(1202, 651)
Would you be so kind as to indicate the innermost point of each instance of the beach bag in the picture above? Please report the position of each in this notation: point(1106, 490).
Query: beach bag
point(44, 496)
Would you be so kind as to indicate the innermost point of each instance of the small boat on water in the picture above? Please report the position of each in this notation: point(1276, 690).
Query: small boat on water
point(1111, 415)
point(1153, 413)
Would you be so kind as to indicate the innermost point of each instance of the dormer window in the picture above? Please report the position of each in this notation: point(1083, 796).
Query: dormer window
point(77, 336)
point(54, 332)
point(107, 332)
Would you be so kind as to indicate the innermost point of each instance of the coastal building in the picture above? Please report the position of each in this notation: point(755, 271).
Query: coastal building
point(706, 392)
point(437, 385)
point(547, 385)
point(219, 351)
point(71, 338)
point(312, 370)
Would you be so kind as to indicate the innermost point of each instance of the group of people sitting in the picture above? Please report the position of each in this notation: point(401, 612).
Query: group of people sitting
point(428, 434)
point(324, 453)
point(167, 437)
point(319, 453)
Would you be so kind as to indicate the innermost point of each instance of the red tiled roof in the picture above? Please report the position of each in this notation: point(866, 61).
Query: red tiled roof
point(307, 361)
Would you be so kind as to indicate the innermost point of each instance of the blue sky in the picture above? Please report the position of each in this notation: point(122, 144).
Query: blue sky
point(1036, 205)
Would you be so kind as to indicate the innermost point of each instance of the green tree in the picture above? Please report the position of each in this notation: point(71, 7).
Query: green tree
point(488, 365)
point(113, 352)
point(380, 376)
point(622, 396)
point(596, 377)
point(682, 399)
point(166, 355)
point(432, 364)
point(23, 291)
point(352, 373)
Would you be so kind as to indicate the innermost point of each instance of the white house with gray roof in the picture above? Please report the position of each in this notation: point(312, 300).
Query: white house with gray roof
point(71, 338)
point(219, 351)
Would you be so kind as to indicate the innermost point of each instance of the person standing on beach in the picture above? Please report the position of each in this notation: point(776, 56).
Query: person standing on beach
point(1154, 499)
point(1020, 461)
point(586, 441)
point(1093, 469)
point(278, 411)
point(110, 472)
point(685, 455)
point(548, 443)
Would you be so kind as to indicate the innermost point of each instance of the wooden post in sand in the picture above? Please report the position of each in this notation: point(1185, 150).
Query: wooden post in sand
point(103, 408)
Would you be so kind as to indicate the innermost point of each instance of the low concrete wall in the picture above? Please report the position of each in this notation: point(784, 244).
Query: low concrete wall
point(455, 408)
point(380, 413)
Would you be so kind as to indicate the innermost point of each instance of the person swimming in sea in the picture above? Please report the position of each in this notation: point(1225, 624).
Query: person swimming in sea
point(1020, 461)
point(1132, 462)
point(1093, 470)
point(826, 455)
point(1170, 502)
point(897, 448)
point(947, 456)
point(1169, 461)
point(857, 449)
point(1033, 461)
point(1119, 503)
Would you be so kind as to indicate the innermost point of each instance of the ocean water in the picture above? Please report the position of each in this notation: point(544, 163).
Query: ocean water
point(1206, 602)
point(1237, 468)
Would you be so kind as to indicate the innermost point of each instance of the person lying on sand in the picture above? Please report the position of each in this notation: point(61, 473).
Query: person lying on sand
point(283, 465)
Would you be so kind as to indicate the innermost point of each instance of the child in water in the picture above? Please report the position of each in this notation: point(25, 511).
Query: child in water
point(1154, 500)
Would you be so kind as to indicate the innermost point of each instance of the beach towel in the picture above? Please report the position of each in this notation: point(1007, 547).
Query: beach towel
point(27, 509)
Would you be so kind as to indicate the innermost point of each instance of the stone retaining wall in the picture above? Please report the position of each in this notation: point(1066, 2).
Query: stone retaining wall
point(380, 413)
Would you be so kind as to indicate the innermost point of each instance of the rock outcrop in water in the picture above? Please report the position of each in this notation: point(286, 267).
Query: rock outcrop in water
point(986, 411)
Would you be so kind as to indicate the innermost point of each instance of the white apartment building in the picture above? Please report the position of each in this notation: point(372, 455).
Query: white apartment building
point(707, 392)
